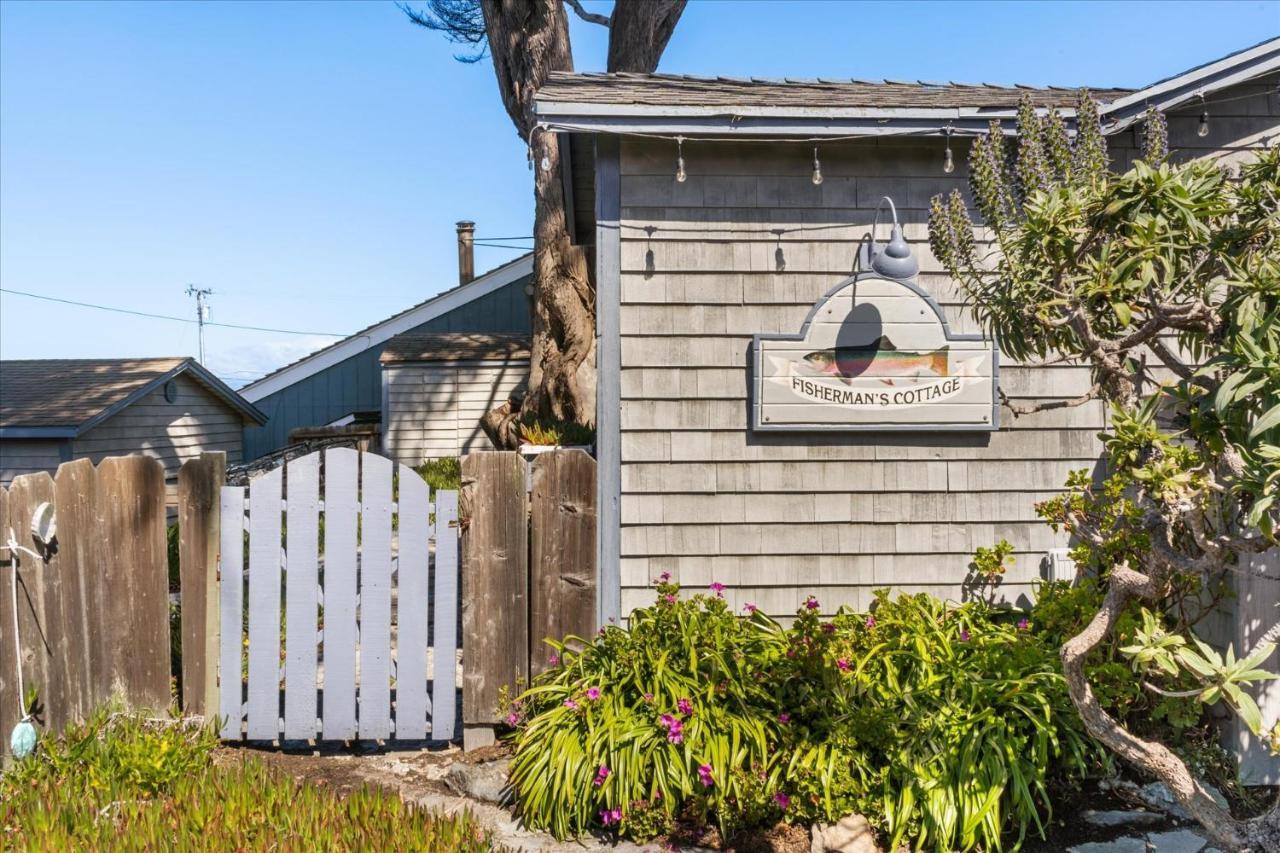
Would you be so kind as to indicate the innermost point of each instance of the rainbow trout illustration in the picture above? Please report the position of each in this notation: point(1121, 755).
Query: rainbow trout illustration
point(879, 359)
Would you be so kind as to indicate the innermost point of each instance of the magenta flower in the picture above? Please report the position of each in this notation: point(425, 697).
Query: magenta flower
point(782, 800)
point(513, 718)
point(554, 660)
point(828, 628)
point(812, 603)
point(704, 775)
point(750, 608)
point(717, 588)
point(675, 728)
point(964, 635)
point(843, 665)
point(648, 697)
point(669, 598)
point(601, 775)
point(609, 817)
point(571, 705)
point(684, 706)
point(664, 577)
point(871, 621)
point(1023, 624)
point(784, 718)
point(593, 693)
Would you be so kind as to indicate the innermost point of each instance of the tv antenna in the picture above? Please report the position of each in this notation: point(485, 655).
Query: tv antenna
point(202, 311)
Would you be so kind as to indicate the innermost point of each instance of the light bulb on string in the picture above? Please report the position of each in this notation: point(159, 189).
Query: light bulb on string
point(681, 176)
point(1203, 130)
point(817, 168)
point(948, 160)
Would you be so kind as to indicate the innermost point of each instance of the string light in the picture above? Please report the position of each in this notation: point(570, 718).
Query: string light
point(1203, 129)
point(948, 161)
point(817, 168)
point(681, 176)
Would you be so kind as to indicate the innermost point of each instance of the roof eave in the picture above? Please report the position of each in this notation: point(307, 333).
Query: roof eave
point(37, 432)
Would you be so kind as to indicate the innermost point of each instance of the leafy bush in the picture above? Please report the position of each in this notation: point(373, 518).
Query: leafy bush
point(549, 433)
point(154, 786)
point(941, 724)
point(442, 473)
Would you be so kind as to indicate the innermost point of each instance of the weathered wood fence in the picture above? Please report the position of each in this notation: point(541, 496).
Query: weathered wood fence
point(93, 613)
point(528, 570)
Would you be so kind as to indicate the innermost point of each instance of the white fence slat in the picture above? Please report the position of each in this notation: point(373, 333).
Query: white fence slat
point(264, 607)
point(231, 602)
point(412, 607)
point(375, 598)
point(301, 601)
point(340, 471)
point(445, 601)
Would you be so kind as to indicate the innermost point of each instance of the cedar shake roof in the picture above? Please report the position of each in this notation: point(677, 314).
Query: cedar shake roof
point(458, 346)
point(73, 394)
point(676, 90)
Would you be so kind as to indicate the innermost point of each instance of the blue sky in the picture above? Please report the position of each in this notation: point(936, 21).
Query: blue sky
point(307, 161)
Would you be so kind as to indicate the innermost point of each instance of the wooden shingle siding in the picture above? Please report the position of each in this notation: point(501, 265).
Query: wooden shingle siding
point(779, 516)
point(434, 409)
point(195, 422)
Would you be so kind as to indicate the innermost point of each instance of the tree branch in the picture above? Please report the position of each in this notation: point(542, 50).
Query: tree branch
point(589, 17)
point(1020, 409)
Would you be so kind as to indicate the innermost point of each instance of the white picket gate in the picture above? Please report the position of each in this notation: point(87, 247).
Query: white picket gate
point(359, 673)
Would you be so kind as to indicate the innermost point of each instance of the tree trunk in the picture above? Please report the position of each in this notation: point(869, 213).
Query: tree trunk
point(1154, 758)
point(529, 39)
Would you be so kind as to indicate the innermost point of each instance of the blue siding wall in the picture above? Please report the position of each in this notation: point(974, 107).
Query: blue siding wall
point(356, 383)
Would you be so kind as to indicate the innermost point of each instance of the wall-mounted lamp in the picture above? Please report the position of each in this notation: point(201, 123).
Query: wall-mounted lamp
point(894, 259)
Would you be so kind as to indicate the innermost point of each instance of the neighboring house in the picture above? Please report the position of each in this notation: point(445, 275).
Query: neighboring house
point(343, 381)
point(745, 242)
point(56, 410)
point(435, 389)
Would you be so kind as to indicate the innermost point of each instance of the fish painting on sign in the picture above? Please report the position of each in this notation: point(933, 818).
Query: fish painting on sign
point(874, 353)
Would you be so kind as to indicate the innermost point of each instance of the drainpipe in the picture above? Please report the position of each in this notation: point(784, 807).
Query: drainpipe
point(466, 251)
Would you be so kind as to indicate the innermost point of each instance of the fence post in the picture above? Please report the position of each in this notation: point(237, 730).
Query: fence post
point(200, 483)
point(562, 585)
point(495, 584)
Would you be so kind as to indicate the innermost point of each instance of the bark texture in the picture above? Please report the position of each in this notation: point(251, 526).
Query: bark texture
point(529, 39)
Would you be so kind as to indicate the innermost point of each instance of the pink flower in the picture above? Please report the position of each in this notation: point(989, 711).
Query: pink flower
point(782, 800)
point(811, 603)
point(871, 621)
point(554, 660)
point(601, 775)
point(750, 608)
point(704, 775)
point(648, 697)
point(675, 728)
point(843, 665)
point(964, 635)
point(717, 588)
point(1023, 624)
point(684, 706)
point(513, 719)
point(593, 693)
point(784, 718)
point(669, 598)
point(571, 705)
point(608, 817)
point(828, 628)
point(664, 577)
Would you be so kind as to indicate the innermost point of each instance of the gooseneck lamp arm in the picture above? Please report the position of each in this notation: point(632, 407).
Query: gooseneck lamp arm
point(895, 259)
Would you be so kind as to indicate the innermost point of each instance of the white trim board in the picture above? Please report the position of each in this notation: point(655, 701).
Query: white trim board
point(389, 328)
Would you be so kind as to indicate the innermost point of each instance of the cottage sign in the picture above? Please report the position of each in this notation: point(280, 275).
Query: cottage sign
point(875, 353)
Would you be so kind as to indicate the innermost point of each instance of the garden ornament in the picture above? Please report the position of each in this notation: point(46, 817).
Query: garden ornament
point(44, 527)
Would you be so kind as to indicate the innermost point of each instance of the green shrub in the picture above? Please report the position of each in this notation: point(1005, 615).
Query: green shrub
point(941, 724)
point(442, 473)
point(123, 780)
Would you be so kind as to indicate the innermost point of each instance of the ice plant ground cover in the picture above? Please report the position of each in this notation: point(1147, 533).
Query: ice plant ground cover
point(122, 782)
point(943, 724)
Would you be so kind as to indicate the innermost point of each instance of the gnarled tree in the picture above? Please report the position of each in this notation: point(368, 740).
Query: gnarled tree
point(1165, 282)
point(529, 39)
